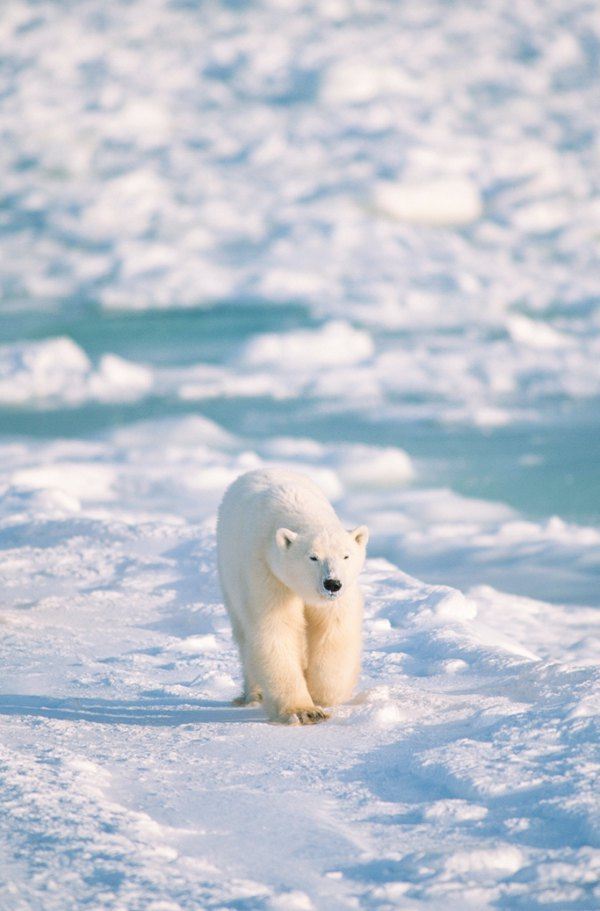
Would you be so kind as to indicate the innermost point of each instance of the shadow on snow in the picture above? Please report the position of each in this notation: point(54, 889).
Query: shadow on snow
point(155, 712)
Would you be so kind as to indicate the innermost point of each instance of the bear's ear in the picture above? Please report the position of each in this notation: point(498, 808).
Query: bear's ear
point(285, 538)
point(361, 535)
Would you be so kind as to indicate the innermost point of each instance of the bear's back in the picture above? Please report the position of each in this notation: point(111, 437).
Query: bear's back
point(268, 498)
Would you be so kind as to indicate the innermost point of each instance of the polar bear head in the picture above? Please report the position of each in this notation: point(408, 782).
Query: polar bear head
point(319, 567)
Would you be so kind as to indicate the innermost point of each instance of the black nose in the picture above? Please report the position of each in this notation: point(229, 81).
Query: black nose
point(332, 585)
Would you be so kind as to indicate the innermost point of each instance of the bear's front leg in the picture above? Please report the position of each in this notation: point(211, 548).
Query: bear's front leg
point(278, 657)
point(334, 637)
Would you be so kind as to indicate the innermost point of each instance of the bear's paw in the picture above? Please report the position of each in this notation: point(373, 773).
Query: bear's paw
point(312, 715)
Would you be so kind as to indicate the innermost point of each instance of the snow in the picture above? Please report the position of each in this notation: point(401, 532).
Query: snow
point(465, 764)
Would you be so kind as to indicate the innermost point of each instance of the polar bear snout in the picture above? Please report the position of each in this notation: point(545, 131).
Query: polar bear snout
point(332, 585)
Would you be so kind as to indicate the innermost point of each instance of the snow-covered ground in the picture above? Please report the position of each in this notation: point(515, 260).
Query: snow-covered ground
point(358, 238)
point(464, 771)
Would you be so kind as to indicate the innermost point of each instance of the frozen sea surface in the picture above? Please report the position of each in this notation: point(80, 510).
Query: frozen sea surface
point(359, 239)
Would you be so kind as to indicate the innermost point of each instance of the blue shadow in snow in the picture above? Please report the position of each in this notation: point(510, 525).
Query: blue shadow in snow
point(156, 712)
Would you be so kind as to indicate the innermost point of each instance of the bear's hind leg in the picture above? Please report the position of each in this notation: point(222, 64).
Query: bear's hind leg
point(251, 694)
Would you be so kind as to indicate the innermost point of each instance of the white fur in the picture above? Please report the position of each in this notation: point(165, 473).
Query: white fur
point(299, 644)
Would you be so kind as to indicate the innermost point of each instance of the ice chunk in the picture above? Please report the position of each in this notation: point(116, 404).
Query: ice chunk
point(334, 344)
point(485, 862)
point(58, 372)
point(42, 370)
point(534, 333)
point(444, 202)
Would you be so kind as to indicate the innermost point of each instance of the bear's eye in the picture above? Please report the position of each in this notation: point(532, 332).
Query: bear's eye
point(347, 557)
point(313, 558)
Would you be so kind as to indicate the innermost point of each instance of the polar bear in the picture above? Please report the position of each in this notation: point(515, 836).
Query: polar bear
point(289, 575)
